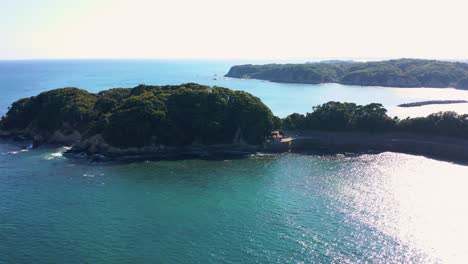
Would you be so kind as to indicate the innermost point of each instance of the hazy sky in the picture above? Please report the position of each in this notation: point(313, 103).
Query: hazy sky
point(257, 29)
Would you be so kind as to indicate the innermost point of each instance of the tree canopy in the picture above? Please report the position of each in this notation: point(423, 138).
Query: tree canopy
point(336, 116)
point(144, 115)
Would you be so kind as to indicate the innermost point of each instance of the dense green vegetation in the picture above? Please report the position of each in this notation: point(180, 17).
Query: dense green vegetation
point(392, 73)
point(194, 114)
point(335, 116)
point(69, 107)
point(146, 115)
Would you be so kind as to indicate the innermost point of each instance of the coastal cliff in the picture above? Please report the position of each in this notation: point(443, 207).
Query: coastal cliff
point(390, 73)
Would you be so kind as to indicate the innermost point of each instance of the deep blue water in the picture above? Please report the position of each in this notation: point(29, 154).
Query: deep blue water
point(385, 208)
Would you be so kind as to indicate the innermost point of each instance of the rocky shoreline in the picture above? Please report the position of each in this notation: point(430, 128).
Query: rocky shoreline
point(300, 141)
point(96, 149)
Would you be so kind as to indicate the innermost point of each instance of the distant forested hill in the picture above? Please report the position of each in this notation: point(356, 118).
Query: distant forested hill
point(390, 73)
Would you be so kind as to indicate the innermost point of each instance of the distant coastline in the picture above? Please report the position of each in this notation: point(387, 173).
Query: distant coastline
point(390, 73)
point(432, 102)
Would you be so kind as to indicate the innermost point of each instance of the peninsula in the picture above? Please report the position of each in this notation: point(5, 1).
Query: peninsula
point(390, 73)
point(347, 127)
point(192, 120)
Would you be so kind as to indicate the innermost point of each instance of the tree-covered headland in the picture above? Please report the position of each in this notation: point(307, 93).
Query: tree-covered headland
point(390, 73)
point(145, 115)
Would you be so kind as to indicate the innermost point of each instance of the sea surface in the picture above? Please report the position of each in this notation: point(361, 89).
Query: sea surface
point(27, 78)
point(288, 208)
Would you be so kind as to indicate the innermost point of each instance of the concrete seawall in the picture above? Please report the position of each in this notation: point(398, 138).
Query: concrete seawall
point(443, 148)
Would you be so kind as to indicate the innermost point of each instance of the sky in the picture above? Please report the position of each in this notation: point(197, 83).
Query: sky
point(234, 29)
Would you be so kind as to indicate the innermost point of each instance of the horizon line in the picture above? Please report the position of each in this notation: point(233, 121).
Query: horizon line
point(313, 59)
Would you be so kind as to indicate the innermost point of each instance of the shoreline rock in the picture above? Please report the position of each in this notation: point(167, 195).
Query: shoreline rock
point(97, 149)
point(302, 141)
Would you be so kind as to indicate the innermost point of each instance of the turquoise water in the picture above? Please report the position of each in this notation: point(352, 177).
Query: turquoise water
point(384, 208)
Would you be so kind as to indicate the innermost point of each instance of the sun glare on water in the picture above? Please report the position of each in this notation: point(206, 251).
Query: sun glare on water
point(418, 201)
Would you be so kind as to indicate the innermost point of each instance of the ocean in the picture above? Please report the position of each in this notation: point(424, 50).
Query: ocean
point(288, 208)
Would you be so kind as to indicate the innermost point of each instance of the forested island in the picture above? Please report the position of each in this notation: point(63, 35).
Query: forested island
point(145, 121)
point(390, 73)
point(192, 120)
